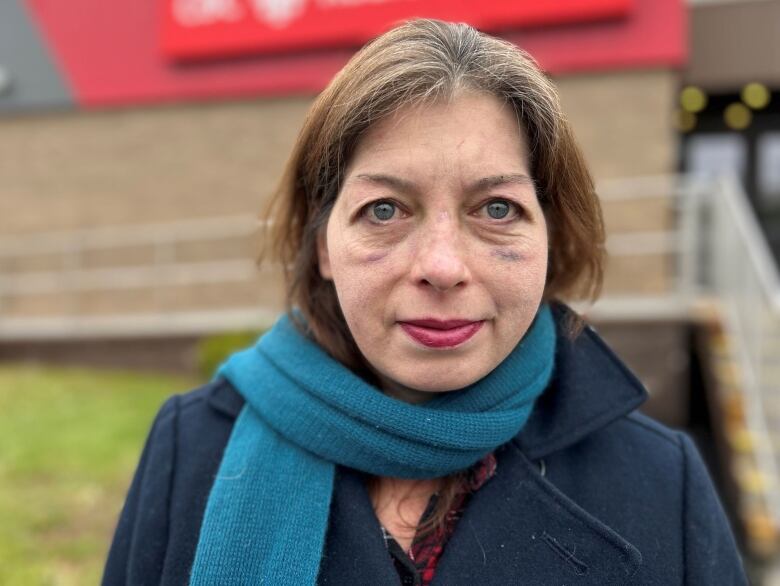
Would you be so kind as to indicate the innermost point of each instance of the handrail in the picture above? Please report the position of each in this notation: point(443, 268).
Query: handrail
point(159, 275)
point(184, 323)
point(742, 275)
point(712, 244)
point(637, 187)
point(120, 236)
point(759, 253)
point(163, 235)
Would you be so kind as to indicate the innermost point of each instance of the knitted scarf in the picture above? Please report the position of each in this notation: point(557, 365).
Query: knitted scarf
point(267, 512)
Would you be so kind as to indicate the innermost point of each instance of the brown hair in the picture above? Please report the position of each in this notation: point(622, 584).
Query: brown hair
point(419, 61)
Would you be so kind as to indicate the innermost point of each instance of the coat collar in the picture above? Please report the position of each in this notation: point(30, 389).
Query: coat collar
point(590, 388)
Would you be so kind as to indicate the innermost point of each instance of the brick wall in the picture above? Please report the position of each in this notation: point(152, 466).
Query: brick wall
point(71, 170)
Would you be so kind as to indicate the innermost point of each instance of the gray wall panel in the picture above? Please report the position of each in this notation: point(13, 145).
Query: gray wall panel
point(733, 44)
point(29, 78)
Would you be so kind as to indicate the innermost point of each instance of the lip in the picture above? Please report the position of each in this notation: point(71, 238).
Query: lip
point(436, 333)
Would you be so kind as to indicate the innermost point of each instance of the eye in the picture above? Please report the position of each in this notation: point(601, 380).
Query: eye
point(381, 211)
point(498, 209)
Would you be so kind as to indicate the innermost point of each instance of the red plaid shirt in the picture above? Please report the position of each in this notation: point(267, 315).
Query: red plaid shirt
point(417, 566)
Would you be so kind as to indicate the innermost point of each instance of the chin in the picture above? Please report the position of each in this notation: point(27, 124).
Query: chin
point(439, 380)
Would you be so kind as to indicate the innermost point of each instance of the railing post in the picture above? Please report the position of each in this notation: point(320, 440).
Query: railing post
point(72, 263)
point(688, 199)
point(3, 269)
point(164, 257)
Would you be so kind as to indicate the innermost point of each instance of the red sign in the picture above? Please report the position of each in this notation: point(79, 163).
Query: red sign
point(205, 28)
point(109, 53)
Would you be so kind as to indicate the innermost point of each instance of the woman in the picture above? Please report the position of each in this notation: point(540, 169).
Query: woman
point(428, 412)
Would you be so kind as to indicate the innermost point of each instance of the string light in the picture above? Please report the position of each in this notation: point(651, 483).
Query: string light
point(756, 95)
point(737, 116)
point(693, 99)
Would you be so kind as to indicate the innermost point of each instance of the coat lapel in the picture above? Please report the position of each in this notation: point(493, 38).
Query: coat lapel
point(519, 529)
point(519, 524)
point(590, 388)
point(355, 551)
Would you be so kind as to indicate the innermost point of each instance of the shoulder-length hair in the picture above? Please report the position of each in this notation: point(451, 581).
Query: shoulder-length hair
point(427, 60)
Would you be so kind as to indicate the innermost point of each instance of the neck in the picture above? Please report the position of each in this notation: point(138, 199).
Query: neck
point(399, 504)
point(402, 393)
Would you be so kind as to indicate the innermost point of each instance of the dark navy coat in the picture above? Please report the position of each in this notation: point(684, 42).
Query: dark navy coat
point(590, 492)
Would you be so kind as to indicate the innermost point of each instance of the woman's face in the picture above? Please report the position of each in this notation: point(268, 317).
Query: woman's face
point(437, 244)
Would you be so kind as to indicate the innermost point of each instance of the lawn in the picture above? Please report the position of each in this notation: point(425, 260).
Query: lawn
point(69, 442)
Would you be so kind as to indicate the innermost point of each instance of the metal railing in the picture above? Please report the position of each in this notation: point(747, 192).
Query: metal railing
point(742, 276)
point(676, 241)
point(709, 242)
point(681, 241)
point(70, 272)
point(71, 248)
point(718, 258)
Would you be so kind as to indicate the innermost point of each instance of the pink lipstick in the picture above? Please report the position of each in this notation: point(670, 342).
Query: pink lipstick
point(436, 333)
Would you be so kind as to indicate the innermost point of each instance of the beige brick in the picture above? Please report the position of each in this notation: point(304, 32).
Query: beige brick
point(32, 263)
point(646, 274)
point(70, 170)
point(224, 248)
point(623, 120)
point(623, 216)
point(86, 169)
point(40, 305)
point(117, 257)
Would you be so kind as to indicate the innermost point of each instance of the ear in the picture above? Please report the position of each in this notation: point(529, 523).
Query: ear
point(323, 258)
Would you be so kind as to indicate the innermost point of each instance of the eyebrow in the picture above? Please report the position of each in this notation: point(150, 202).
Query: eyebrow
point(498, 180)
point(482, 184)
point(388, 181)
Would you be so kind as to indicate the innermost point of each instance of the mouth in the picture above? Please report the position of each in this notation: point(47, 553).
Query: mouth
point(435, 333)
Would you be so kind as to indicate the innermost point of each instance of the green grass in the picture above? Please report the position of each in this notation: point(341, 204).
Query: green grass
point(69, 443)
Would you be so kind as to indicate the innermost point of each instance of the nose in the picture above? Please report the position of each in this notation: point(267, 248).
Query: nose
point(440, 259)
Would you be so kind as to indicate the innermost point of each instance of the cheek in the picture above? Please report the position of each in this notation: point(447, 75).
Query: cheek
point(518, 273)
point(355, 265)
point(363, 277)
point(362, 258)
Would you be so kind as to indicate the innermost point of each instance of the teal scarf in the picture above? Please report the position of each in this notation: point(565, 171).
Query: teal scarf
point(267, 512)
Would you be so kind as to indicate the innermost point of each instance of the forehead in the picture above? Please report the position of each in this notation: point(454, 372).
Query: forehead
point(472, 129)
